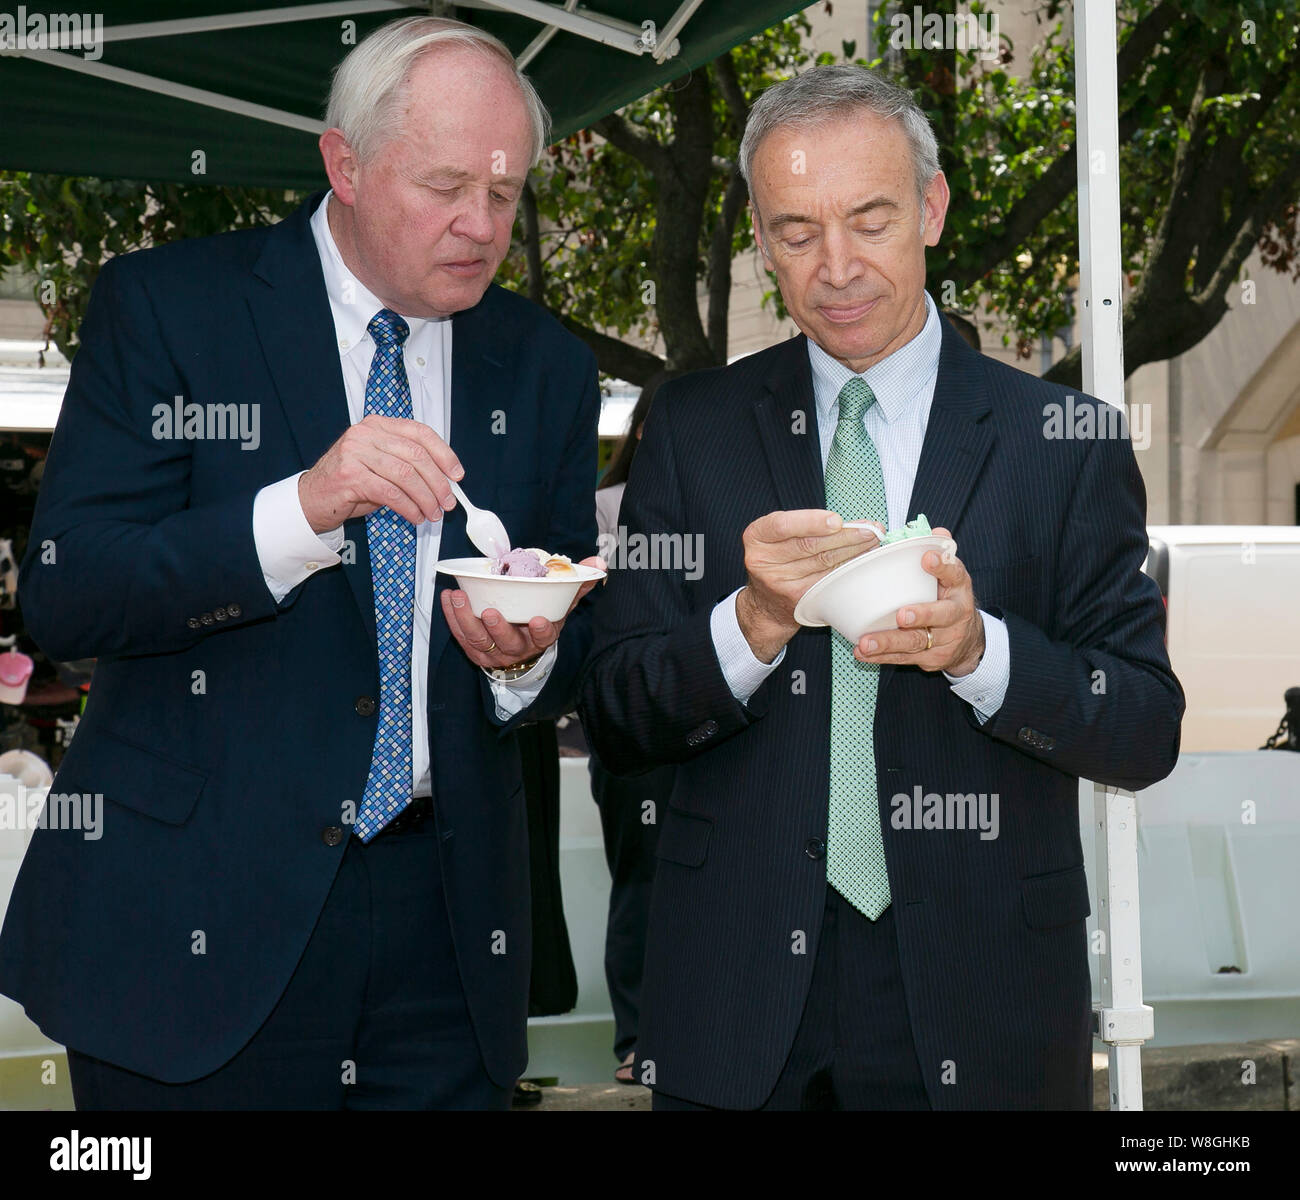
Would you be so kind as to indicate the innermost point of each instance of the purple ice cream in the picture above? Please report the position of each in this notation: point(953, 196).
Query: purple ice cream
point(523, 564)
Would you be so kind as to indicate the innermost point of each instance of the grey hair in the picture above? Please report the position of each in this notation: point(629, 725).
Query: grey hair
point(821, 93)
point(371, 83)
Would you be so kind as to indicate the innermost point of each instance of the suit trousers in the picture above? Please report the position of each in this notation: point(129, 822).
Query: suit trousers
point(373, 1017)
point(630, 842)
point(853, 1048)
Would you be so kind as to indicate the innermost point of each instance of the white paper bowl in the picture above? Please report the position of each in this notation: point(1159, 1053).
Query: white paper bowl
point(517, 600)
point(864, 594)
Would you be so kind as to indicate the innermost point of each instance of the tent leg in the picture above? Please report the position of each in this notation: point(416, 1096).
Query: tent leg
point(1121, 1020)
point(1125, 1076)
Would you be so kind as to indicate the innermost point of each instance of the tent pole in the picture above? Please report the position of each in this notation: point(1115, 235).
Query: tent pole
point(239, 20)
point(609, 31)
point(540, 42)
point(676, 23)
point(180, 91)
point(1121, 1020)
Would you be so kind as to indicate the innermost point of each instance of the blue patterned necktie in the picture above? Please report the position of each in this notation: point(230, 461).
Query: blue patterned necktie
point(855, 852)
point(391, 541)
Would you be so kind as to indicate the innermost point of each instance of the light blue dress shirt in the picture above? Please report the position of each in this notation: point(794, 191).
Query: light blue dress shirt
point(903, 384)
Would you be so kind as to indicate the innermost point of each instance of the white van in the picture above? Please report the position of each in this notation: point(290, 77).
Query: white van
point(1232, 594)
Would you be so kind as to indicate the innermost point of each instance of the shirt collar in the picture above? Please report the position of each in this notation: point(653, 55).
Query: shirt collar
point(897, 381)
point(352, 303)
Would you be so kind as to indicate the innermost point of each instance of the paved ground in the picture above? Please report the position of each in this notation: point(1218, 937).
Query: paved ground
point(589, 1097)
point(1222, 1078)
point(1225, 1078)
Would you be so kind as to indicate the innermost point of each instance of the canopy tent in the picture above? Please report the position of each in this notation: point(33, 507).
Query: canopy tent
point(238, 87)
point(246, 86)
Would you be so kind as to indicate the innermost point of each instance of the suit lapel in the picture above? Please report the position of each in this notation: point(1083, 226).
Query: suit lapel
point(291, 313)
point(481, 385)
point(958, 437)
point(786, 413)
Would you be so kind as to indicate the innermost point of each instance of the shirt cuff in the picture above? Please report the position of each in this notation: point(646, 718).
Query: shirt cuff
point(514, 695)
point(288, 549)
point(985, 688)
point(740, 668)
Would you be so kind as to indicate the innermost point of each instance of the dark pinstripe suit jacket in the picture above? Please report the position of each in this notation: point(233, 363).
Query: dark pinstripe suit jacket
point(991, 931)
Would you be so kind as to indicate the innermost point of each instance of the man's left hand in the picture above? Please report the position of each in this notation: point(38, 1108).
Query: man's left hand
point(947, 635)
point(493, 642)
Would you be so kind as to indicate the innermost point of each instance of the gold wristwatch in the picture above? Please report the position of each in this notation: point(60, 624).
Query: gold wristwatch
point(512, 672)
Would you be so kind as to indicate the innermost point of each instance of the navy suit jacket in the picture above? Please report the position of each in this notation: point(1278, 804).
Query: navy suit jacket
point(224, 731)
point(991, 932)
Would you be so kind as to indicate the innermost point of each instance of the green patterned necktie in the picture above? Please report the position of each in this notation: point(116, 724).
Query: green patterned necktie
point(855, 853)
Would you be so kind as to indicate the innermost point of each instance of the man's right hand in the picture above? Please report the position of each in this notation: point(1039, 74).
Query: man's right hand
point(380, 461)
point(785, 554)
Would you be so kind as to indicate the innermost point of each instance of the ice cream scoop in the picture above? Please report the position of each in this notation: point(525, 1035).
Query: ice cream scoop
point(521, 563)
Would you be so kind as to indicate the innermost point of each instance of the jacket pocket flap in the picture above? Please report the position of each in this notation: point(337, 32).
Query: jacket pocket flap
point(129, 775)
point(1056, 899)
point(684, 837)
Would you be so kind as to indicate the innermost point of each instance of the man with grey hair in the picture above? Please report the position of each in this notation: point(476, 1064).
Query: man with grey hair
point(829, 927)
point(312, 889)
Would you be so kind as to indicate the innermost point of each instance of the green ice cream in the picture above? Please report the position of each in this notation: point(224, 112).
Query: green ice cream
point(918, 528)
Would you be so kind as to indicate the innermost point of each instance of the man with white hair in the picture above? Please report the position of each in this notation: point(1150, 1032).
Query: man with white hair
point(311, 889)
point(870, 891)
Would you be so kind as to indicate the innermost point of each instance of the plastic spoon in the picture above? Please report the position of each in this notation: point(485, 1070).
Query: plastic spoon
point(482, 526)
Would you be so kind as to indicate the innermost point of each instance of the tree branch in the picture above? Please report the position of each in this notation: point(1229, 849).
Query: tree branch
point(1160, 319)
point(1146, 35)
point(1047, 192)
point(733, 203)
point(1268, 204)
point(615, 357)
point(684, 190)
point(532, 244)
point(632, 140)
point(733, 95)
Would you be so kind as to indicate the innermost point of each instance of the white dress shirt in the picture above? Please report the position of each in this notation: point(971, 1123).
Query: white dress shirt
point(289, 551)
point(903, 384)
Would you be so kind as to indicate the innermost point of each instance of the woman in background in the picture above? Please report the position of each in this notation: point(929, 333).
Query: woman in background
point(630, 809)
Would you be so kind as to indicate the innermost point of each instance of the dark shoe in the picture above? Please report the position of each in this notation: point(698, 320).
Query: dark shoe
point(527, 1095)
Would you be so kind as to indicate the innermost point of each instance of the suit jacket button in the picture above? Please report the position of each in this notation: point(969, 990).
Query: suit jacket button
point(206, 618)
point(331, 835)
point(815, 848)
point(702, 733)
point(194, 623)
point(234, 610)
point(219, 614)
point(365, 706)
point(1026, 735)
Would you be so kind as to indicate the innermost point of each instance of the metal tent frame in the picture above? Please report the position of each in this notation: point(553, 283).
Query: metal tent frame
point(1120, 1021)
point(554, 18)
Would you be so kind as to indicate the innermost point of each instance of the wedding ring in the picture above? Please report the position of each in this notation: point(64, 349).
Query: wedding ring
point(490, 648)
point(929, 639)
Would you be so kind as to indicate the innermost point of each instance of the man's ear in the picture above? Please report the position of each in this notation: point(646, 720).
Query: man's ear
point(340, 164)
point(936, 208)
